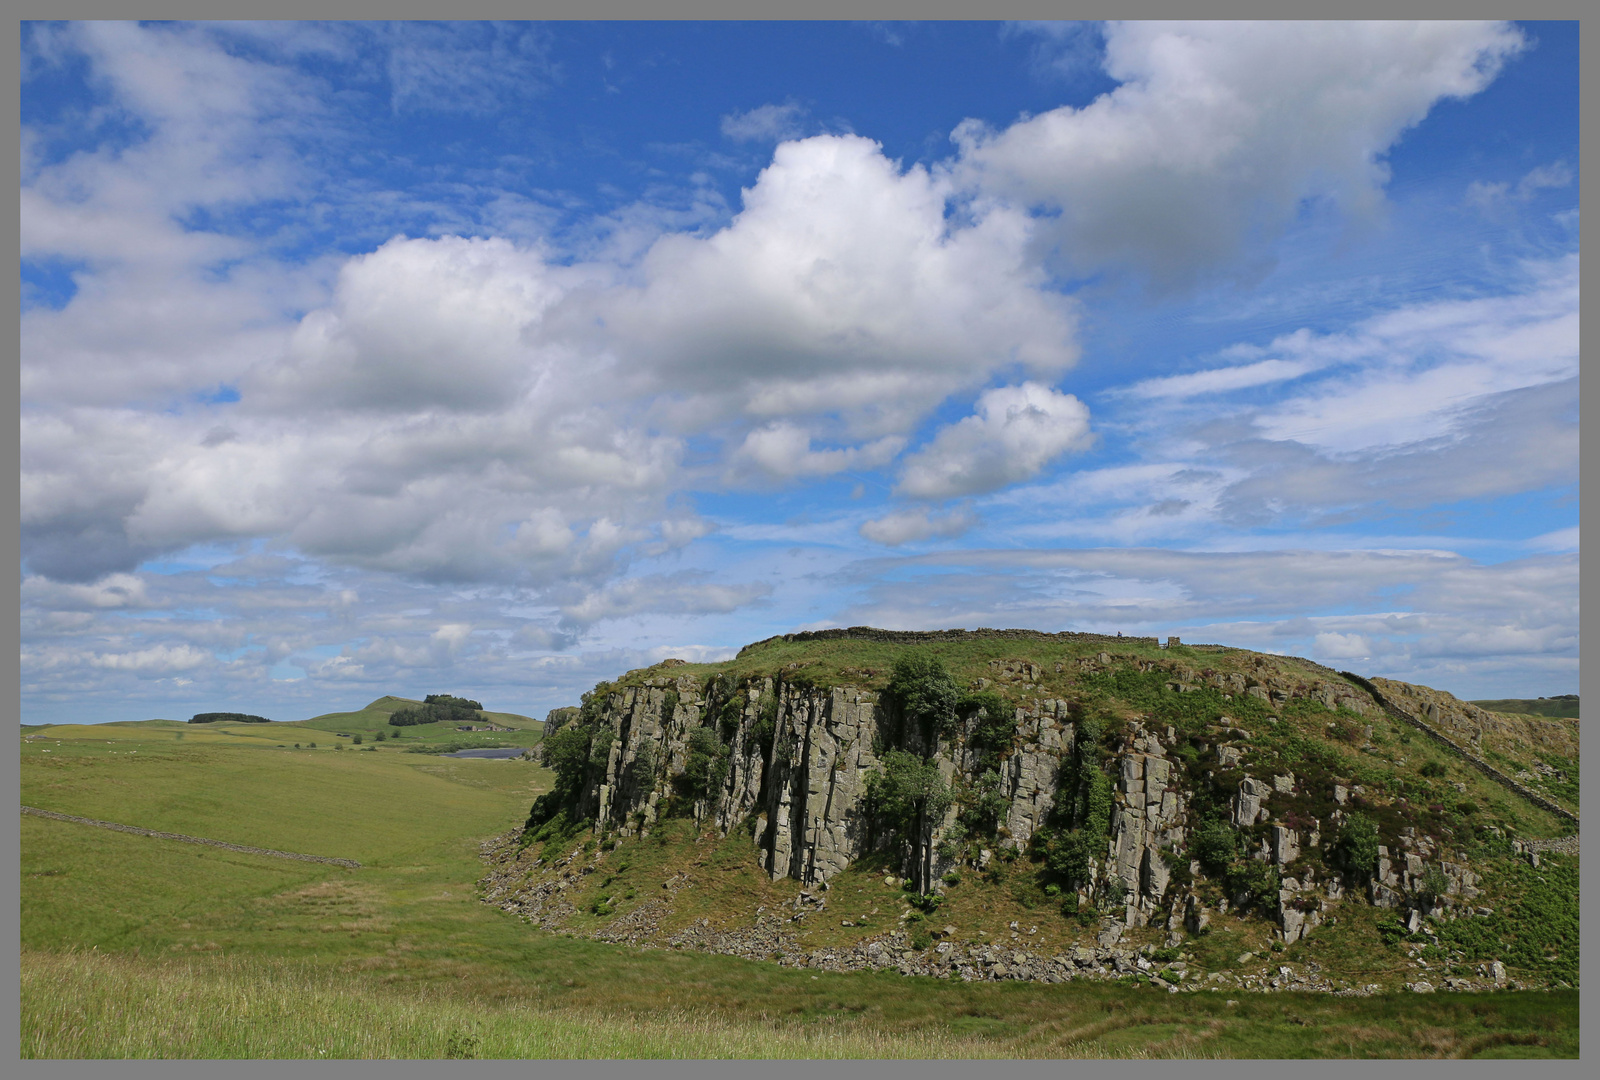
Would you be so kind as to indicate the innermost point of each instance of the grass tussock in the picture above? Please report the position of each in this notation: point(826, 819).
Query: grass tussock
point(90, 1005)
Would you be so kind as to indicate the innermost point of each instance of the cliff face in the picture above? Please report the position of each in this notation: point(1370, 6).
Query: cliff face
point(797, 757)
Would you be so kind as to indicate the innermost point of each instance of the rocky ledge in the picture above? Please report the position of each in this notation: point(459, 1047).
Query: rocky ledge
point(512, 886)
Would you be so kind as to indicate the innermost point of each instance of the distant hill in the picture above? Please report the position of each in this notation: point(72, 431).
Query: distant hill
point(1562, 705)
point(375, 717)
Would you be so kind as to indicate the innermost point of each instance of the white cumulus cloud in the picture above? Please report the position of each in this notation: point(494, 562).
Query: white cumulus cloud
point(1218, 130)
point(1015, 432)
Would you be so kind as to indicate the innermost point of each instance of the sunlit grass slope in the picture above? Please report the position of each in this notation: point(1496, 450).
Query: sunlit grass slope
point(198, 952)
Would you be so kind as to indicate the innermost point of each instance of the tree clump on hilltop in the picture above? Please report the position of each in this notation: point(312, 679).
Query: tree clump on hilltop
point(227, 717)
point(437, 709)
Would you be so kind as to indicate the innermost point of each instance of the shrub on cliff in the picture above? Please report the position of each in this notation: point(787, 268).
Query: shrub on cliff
point(707, 764)
point(1357, 847)
point(925, 697)
point(985, 803)
point(566, 753)
point(996, 726)
point(1252, 880)
point(909, 797)
point(1216, 845)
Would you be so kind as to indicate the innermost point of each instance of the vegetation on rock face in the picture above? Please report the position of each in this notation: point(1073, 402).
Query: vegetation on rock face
point(1231, 793)
point(909, 796)
point(1080, 820)
point(925, 698)
point(1357, 846)
point(707, 764)
point(994, 725)
point(1215, 846)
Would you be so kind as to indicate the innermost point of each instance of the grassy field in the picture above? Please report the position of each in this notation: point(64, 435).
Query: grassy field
point(134, 946)
point(1557, 706)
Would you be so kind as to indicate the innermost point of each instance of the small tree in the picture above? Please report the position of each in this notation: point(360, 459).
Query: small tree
point(910, 796)
point(1216, 845)
point(356, 739)
point(996, 726)
point(1433, 885)
point(1357, 845)
point(707, 764)
point(566, 753)
point(926, 696)
point(988, 802)
point(1252, 879)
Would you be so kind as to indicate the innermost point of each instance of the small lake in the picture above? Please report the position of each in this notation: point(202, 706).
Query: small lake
point(490, 752)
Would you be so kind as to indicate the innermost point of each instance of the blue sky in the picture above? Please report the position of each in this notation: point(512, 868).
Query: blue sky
point(499, 359)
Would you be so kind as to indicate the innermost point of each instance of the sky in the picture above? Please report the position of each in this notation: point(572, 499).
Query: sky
point(499, 359)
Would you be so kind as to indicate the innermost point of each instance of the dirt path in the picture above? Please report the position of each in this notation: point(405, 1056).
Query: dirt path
point(351, 863)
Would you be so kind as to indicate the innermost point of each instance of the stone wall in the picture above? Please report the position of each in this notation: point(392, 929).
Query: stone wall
point(1451, 746)
point(919, 637)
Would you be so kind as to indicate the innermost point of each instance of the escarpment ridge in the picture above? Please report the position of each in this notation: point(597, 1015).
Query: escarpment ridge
point(1127, 785)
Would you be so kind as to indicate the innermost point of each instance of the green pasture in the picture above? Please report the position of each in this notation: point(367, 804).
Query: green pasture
point(401, 959)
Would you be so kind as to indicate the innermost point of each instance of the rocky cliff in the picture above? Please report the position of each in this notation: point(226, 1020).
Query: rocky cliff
point(1184, 735)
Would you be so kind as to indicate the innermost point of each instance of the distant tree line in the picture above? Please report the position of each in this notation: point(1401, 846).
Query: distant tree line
point(438, 709)
point(233, 717)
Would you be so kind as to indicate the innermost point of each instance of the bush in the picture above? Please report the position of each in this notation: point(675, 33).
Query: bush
point(707, 766)
point(1357, 846)
point(642, 769)
point(1253, 879)
point(566, 753)
point(1433, 768)
point(1180, 877)
point(925, 695)
point(1067, 855)
point(1216, 845)
point(1434, 884)
point(909, 797)
point(766, 725)
point(380, 736)
point(920, 937)
point(996, 727)
point(356, 740)
point(981, 816)
point(729, 717)
point(1467, 809)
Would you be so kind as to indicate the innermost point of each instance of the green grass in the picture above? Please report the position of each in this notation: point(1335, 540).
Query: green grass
point(75, 1006)
point(400, 958)
point(1559, 706)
